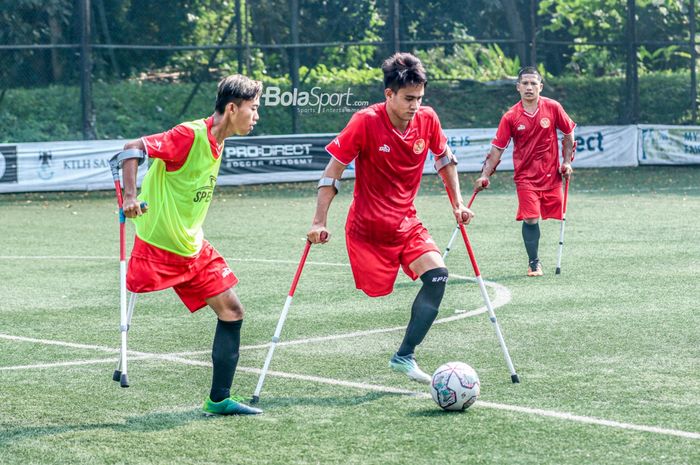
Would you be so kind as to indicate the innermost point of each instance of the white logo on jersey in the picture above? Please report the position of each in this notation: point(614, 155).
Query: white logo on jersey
point(429, 241)
point(336, 141)
point(225, 272)
point(385, 148)
point(521, 127)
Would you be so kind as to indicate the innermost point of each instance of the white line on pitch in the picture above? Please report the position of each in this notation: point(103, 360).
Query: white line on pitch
point(379, 388)
point(67, 364)
point(503, 296)
point(105, 257)
point(51, 342)
point(55, 257)
point(484, 404)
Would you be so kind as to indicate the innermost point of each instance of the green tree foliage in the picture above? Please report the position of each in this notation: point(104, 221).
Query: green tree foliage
point(422, 23)
point(33, 22)
point(320, 21)
point(605, 21)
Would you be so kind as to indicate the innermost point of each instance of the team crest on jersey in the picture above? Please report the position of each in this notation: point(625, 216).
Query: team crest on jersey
point(544, 122)
point(418, 146)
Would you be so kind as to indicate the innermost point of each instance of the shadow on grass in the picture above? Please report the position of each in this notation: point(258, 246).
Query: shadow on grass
point(436, 412)
point(273, 403)
point(141, 424)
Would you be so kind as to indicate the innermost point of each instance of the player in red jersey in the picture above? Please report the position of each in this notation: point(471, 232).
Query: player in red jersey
point(389, 143)
point(532, 123)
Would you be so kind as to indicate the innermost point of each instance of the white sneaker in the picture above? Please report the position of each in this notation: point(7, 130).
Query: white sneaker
point(407, 364)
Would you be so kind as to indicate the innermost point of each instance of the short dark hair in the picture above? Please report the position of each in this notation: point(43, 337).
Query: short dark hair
point(529, 70)
point(403, 70)
point(236, 88)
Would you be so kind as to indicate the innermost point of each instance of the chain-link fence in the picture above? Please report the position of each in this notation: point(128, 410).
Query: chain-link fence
point(319, 61)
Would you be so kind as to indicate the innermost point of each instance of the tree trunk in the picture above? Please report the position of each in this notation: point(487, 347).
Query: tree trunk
point(55, 38)
point(517, 29)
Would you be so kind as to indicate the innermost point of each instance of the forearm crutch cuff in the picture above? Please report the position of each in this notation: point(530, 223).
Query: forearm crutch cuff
point(448, 158)
point(115, 163)
point(329, 182)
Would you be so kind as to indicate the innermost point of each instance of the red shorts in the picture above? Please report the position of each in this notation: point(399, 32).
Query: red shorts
point(194, 279)
point(540, 204)
point(376, 266)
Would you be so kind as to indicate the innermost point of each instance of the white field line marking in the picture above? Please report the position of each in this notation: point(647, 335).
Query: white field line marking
point(58, 343)
point(173, 358)
point(484, 404)
point(503, 296)
point(392, 390)
point(55, 257)
point(115, 257)
point(68, 364)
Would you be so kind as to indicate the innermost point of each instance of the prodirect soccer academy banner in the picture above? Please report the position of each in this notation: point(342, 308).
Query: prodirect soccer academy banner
point(84, 165)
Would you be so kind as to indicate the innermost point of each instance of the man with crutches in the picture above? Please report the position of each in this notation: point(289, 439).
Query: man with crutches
point(169, 248)
point(532, 123)
point(389, 143)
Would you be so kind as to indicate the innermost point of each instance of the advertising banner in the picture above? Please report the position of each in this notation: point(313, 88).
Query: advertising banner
point(84, 165)
point(54, 166)
point(669, 145)
point(264, 159)
point(597, 147)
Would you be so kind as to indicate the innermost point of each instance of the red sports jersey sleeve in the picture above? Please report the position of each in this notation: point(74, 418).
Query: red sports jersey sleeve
point(563, 122)
point(348, 144)
point(503, 133)
point(438, 141)
point(171, 146)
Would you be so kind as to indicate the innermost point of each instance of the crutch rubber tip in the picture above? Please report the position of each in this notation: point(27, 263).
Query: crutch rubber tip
point(558, 271)
point(255, 400)
point(117, 375)
point(515, 379)
point(124, 381)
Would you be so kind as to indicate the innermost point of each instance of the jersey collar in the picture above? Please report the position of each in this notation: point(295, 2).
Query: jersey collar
point(527, 113)
point(409, 128)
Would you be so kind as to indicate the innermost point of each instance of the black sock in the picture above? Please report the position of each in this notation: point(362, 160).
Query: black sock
point(425, 309)
point(224, 355)
point(531, 237)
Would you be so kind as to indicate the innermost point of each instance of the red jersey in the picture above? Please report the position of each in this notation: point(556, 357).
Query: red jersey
point(536, 150)
point(389, 166)
point(173, 146)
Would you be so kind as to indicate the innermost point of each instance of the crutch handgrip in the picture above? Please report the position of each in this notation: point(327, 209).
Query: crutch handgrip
point(122, 217)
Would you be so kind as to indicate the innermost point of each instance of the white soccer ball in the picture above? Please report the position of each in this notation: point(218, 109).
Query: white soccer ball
point(455, 386)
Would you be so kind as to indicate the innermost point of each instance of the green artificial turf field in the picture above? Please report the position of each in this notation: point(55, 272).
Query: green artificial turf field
point(608, 351)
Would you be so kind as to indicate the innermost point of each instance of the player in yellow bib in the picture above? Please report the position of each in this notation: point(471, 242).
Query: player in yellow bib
point(169, 247)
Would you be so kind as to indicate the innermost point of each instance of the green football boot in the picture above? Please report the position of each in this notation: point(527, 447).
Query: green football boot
point(231, 406)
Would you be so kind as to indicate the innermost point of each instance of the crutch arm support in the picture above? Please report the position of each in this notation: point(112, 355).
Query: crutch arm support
point(448, 158)
point(329, 182)
point(118, 159)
